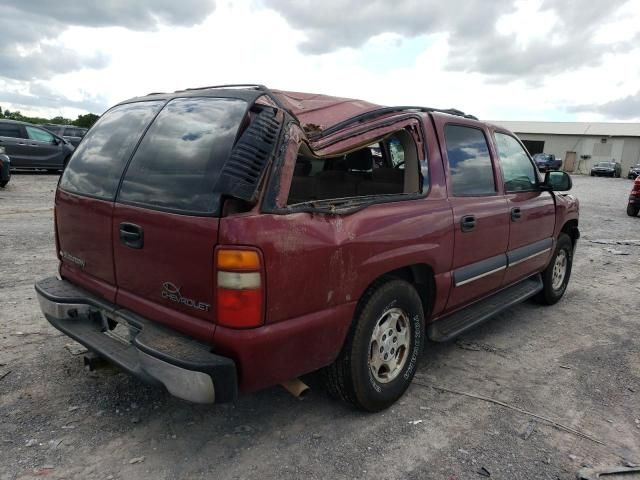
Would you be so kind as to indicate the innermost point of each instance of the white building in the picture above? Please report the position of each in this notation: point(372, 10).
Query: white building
point(581, 144)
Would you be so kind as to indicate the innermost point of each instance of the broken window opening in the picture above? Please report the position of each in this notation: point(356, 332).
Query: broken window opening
point(389, 166)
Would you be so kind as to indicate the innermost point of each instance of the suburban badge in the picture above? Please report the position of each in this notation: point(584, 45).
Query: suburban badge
point(70, 258)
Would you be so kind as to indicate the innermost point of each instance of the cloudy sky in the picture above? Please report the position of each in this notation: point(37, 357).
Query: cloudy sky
point(499, 59)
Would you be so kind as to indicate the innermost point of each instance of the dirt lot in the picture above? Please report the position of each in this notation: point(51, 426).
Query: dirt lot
point(577, 363)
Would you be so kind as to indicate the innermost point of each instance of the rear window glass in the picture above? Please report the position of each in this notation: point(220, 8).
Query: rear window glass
point(182, 154)
point(10, 130)
point(97, 164)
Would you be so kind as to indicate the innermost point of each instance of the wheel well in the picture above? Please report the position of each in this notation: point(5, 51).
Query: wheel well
point(571, 229)
point(420, 276)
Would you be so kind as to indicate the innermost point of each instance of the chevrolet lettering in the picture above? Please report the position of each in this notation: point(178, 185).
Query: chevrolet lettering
point(171, 292)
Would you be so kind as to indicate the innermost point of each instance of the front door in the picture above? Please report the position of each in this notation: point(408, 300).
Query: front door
point(532, 211)
point(42, 149)
point(479, 211)
point(570, 162)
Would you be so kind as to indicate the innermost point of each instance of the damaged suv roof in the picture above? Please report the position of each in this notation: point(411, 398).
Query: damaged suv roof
point(317, 114)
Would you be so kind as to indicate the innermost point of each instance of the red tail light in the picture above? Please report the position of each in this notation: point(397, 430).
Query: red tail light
point(240, 288)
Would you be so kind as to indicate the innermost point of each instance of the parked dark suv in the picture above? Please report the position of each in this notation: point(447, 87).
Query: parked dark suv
point(69, 132)
point(30, 146)
point(547, 161)
point(218, 240)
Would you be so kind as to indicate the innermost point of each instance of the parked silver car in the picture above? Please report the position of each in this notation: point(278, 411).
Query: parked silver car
point(30, 146)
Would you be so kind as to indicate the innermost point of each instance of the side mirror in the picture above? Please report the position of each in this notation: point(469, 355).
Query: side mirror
point(555, 181)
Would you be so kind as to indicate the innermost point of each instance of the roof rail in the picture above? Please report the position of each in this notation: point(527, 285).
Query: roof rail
point(255, 86)
point(385, 111)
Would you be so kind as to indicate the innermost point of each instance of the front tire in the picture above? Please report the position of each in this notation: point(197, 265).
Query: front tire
point(555, 277)
point(632, 211)
point(381, 353)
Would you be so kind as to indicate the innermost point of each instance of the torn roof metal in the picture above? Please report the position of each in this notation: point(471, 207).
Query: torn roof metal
point(317, 112)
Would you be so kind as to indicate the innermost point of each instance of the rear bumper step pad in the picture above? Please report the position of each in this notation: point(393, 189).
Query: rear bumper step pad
point(155, 354)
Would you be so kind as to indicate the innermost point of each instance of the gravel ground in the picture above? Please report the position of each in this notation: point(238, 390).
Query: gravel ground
point(577, 363)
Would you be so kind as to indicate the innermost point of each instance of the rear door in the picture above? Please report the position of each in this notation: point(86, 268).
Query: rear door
point(13, 139)
point(479, 210)
point(532, 213)
point(164, 224)
point(85, 197)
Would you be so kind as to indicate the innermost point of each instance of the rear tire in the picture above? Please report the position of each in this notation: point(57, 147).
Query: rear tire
point(555, 277)
point(382, 350)
point(632, 211)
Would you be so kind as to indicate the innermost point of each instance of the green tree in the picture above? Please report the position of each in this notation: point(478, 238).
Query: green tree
point(60, 120)
point(86, 121)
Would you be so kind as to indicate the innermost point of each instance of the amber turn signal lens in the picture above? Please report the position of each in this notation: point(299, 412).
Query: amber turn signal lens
point(238, 260)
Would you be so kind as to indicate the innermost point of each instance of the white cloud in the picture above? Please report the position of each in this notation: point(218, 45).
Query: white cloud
point(244, 42)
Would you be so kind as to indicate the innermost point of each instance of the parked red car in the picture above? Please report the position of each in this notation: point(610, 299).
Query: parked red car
point(221, 239)
point(633, 207)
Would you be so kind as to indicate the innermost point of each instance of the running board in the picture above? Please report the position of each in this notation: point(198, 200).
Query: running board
point(449, 327)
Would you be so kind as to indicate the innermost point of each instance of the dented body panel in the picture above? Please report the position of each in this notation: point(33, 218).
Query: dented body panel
point(318, 257)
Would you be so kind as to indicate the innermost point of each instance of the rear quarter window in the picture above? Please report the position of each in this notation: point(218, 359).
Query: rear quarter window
point(181, 156)
point(97, 164)
point(10, 130)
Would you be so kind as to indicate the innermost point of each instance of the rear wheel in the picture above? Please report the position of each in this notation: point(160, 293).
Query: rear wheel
point(556, 276)
point(381, 353)
point(632, 211)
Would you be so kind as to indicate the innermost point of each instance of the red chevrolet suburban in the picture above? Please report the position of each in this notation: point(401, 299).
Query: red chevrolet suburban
point(226, 239)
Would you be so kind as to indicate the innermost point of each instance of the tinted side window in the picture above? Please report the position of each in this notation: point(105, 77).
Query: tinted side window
point(97, 164)
point(470, 165)
point(39, 135)
point(518, 171)
point(181, 156)
point(10, 130)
